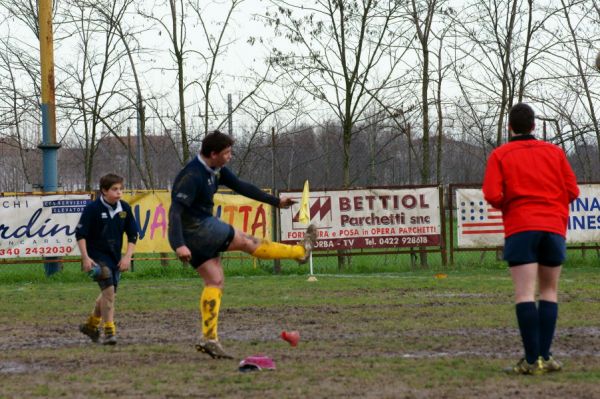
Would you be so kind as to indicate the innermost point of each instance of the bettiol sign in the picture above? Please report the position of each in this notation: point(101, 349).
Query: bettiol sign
point(375, 218)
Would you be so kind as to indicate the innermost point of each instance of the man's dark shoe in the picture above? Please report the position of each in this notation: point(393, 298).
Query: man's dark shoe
point(213, 348)
point(551, 364)
point(524, 368)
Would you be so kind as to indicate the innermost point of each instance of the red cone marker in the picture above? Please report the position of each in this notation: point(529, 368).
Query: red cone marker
point(292, 337)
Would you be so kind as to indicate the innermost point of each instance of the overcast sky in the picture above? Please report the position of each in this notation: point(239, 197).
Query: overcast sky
point(240, 61)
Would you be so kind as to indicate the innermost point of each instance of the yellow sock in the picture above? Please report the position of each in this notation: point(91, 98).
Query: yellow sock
point(94, 321)
point(210, 303)
point(276, 250)
point(110, 328)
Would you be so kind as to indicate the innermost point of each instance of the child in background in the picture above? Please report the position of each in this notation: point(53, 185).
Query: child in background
point(99, 236)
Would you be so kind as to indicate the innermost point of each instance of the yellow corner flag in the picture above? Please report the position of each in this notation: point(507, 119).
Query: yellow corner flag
point(304, 215)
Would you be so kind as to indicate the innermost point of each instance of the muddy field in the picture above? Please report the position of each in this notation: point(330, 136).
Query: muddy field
point(346, 350)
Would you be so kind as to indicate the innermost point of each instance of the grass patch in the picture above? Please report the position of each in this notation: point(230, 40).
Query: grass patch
point(362, 335)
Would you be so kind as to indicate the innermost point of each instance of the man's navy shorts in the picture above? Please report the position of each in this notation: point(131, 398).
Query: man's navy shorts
point(542, 247)
point(207, 238)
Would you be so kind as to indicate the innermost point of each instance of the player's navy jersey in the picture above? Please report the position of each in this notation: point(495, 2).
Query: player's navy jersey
point(192, 200)
point(103, 228)
point(196, 185)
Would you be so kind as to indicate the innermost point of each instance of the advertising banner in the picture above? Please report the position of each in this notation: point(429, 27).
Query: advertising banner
point(151, 211)
point(480, 225)
point(373, 218)
point(584, 215)
point(251, 217)
point(34, 226)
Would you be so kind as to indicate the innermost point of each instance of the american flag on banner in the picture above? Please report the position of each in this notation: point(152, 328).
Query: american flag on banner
point(478, 222)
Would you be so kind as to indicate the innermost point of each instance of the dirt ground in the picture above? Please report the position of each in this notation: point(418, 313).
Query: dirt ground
point(344, 351)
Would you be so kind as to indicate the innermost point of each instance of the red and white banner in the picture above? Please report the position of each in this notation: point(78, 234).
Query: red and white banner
point(375, 218)
point(478, 223)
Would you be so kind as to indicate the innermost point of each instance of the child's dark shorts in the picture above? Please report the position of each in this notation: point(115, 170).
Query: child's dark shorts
point(542, 247)
point(207, 238)
point(110, 272)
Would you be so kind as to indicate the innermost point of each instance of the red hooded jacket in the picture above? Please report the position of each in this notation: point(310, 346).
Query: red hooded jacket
point(532, 182)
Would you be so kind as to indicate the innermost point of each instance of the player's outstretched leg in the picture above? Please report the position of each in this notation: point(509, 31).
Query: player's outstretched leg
point(300, 252)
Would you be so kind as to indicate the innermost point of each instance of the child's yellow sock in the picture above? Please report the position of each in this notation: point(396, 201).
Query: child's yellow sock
point(94, 321)
point(276, 250)
point(110, 328)
point(210, 303)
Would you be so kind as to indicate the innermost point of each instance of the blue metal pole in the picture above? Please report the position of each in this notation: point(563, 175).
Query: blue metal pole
point(49, 146)
point(49, 149)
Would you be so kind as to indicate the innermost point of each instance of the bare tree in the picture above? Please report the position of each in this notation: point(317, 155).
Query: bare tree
point(422, 15)
point(25, 11)
point(128, 36)
point(176, 29)
point(488, 31)
point(577, 10)
point(216, 45)
point(345, 55)
point(18, 102)
point(95, 97)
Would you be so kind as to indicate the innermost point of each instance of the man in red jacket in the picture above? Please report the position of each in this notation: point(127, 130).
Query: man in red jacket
point(532, 182)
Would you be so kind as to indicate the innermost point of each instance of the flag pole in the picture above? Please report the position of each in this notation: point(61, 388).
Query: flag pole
point(304, 217)
point(311, 276)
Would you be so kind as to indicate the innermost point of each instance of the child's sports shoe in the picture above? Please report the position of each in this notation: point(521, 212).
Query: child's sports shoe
point(109, 339)
point(309, 242)
point(92, 332)
point(551, 364)
point(524, 368)
point(213, 348)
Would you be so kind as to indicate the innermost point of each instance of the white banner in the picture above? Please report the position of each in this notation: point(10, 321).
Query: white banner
point(376, 218)
point(584, 215)
point(480, 225)
point(34, 226)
